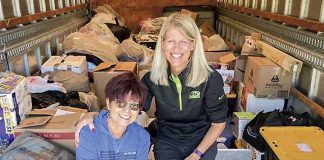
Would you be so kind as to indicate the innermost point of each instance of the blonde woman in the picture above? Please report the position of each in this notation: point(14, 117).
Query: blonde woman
point(190, 101)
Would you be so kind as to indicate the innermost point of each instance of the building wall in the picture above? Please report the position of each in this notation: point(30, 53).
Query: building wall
point(136, 10)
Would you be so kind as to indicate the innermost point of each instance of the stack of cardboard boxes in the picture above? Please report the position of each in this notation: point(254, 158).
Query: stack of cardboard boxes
point(14, 99)
point(263, 85)
point(264, 88)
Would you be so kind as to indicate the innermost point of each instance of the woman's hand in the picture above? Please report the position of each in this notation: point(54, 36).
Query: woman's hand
point(192, 156)
point(87, 119)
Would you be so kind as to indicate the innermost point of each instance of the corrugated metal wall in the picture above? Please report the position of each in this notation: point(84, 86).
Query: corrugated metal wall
point(136, 10)
point(31, 30)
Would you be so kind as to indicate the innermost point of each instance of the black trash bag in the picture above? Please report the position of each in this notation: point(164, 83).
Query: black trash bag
point(121, 33)
point(251, 132)
point(127, 58)
point(45, 99)
point(293, 119)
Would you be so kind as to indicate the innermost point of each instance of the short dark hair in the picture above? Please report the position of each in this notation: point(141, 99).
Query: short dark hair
point(119, 86)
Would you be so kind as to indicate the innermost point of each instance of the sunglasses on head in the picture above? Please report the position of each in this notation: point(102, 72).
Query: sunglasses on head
point(134, 106)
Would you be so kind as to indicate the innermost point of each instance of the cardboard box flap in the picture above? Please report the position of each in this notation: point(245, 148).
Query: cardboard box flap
point(244, 115)
point(59, 130)
point(193, 15)
point(207, 29)
point(62, 122)
point(72, 109)
point(125, 66)
point(214, 56)
point(34, 121)
point(42, 112)
point(227, 58)
point(264, 61)
point(51, 122)
point(104, 66)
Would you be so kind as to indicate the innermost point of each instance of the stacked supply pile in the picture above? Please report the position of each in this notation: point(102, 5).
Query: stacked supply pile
point(15, 102)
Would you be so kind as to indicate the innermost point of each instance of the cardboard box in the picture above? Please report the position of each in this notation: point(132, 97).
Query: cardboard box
point(247, 102)
point(207, 29)
point(74, 63)
point(57, 129)
point(233, 154)
point(265, 79)
point(224, 58)
point(12, 93)
point(256, 155)
point(228, 76)
point(239, 67)
point(254, 104)
point(6, 128)
point(14, 85)
point(214, 43)
point(223, 62)
point(105, 71)
point(72, 109)
point(193, 15)
point(144, 67)
point(240, 119)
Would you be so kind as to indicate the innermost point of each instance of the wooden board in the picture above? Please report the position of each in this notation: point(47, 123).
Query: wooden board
point(279, 57)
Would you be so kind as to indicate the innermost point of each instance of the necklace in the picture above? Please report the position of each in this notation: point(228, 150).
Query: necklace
point(116, 147)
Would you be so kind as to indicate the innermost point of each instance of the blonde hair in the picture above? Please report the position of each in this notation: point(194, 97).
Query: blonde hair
point(199, 70)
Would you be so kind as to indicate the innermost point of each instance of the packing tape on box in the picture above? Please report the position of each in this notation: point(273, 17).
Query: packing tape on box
point(68, 67)
point(56, 66)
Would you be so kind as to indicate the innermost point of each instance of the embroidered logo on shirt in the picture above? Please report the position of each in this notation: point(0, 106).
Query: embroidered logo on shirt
point(220, 97)
point(194, 95)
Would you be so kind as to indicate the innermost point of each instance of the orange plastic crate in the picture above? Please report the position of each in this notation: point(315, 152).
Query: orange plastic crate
point(293, 143)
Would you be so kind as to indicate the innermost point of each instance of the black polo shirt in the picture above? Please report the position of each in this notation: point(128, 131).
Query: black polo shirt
point(184, 113)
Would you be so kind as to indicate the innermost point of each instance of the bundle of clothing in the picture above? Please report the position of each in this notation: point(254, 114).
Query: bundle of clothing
point(106, 39)
point(152, 26)
point(106, 8)
point(61, 88)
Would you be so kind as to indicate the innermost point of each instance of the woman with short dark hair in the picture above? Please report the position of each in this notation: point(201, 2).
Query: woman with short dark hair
point(116, 135)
